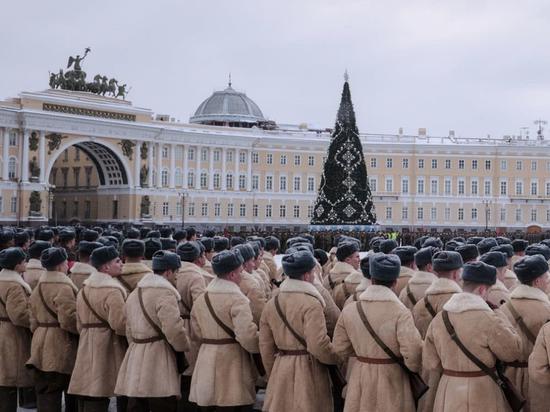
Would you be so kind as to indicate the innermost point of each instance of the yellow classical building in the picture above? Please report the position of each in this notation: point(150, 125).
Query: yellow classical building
point(74, 155)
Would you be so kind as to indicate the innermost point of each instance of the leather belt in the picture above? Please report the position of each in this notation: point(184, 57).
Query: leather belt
point(228, 341)
point(464, 374)
point(147, 340)
point(292, 352)
point(516, 364)
point(375, 361)
point(186, 316)
point(48, 324)
point(99, 325)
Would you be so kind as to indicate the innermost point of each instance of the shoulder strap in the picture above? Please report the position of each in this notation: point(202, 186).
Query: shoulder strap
point(147, 317)
point(346, 291)
point(517, 317)
point(331, 282)
point(124, 283)
point(185, 306)
point(451, 330)
point(285, 321)
point(411, 296)
point(222, 325)
point(429, 307)
point(376, 338)
point(48, 309)
point(87, 302)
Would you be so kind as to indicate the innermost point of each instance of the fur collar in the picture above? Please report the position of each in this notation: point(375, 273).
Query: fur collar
point(355, 277)
point(406, 272)
point(377, 293)
point(134, 268)
point(156, 281)
point(267, 255)
point(219, 285)
point(529, 292)
point(363, 285)
point(301, 286)
point(34, 264)
point(423, 278)
point(499, 286)
point(188, 267)
point(443, 285)
point(463, 302)
point(82, 268)
point(341, 268)
point(7, 275)
point(332, 250)
point(103, 280)
point(508, 274)
point(56, 277)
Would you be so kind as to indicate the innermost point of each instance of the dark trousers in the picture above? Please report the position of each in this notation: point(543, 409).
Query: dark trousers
point(8, 399)
point(121, 404)
point(167, 404)
point(184, 405)
point(93, 404)
point(240, 408)
point(27, 397)
point(50, 387)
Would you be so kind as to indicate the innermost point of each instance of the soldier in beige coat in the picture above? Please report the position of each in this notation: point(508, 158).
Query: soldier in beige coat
point(34, 267)
point(221, 320)
point(519, 246)
point(82, 269)
point(133, 269)
point(272, 246)
point(421, 280)
point(489, 337)
point(295, 358)
point(102, 324)
point(408, 266)
point(346, 268)
point(376, 382)
point(208, 244)
point(528, 310)
point(497, 293)
point(55, 336)
point(510, 279)
point(149, 373)
point(15, 336)
point(539, 367)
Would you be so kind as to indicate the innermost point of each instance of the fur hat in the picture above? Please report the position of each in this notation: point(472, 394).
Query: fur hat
point(384, 267)
point(11, 257)
point(479, 272)
point(226, 261)
point(52, 257)
point(298, 263)
point(446, 261)
point(102, 255)
point(530, 267)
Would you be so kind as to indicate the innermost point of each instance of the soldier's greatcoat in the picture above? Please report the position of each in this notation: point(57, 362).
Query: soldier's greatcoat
point(344, 290)
point(339, 272)
point(132, 273)
point(375, 386)
point(297, 380)
point(33, 272)
point(539, 368)
point(405, 275)
point(498, 294)
point(417, 286)
point(80, 272)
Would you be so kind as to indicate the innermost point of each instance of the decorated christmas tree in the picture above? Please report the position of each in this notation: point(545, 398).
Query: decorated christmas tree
point(344, 194)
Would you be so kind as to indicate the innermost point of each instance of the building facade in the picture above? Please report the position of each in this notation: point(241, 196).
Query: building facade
point(73, 155)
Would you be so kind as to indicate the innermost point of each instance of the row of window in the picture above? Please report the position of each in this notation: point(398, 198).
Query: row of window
point(236, 210)
point(460, 213)
point(448, 164)
point(76, 176)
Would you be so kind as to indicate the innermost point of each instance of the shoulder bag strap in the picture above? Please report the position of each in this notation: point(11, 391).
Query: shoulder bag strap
point(429, 307)
point(517, 317)
point(331, 282)
point(411, 296)
point(87, 302)
point(451, 330)
point(222, 325)
point(48, 309)
point(147, 317)
point(285, 321)
point(377, 339)
point(124, 283)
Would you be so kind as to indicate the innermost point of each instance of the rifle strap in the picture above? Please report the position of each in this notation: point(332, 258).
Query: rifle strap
point(125, 283)
point(377, 339)
point(147, 317)
point(285, 321)
point(48, 309)
point(222, 325)
point(87, 302)
point(429, 307)
point(517, 317)
point(411, 296)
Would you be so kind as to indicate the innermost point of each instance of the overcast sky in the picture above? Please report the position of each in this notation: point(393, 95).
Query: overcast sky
point(477, 67)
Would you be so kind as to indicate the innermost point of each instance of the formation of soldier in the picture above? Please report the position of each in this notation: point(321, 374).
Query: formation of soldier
point(166, 321)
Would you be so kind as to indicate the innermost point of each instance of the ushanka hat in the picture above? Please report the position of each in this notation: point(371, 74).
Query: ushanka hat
point(271, 243)
point(165, 260)
point(519, 245)
point(446, 261)
point(496, 259)
point(189, 251)
point(346, 249)
point(66, 235)
point(479, 272)
point(133, 233)
point(167, 243)
point(103, 255)
point(208, 243)
point(152, 245)
point(11, 257)
point(384, 267)
point(486, 244)
point(424, 256)
point(90, 235)
point(505, 248)
point(37, 247)
point(52, 257)
point(452, 245)
point(468, 252)
point(226, 261)
point(538, 249)
point(133, 248)
point(405, 253)
point(530, 267)
point(433, 241)
point(387, 245)
point(86, 248)
point(365, 266)
point(236, 240)
point(247, 252)
point(220, 243)
point(298, 263)
point(321, 256)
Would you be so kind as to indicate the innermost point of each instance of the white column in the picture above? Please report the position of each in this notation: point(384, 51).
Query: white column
point(198, 168)
point(137, 164)
point(159, 165)
point(150, 164)
point(42, 155)
point(224, 169)
point(211, 170)
point(172, 170)
point(25, 156)
point(5, 154)
point(249, 171)
point(185, 165)
point(236, 177)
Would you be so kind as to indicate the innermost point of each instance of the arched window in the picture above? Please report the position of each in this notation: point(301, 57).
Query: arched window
point(217, 180)
point(203, 180)
point(12, 165)
point(191, 180)
point(178, 177)
point(164, 178)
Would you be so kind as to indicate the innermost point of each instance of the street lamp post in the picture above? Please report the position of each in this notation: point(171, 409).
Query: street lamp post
point(183, 195)
point(487, 211)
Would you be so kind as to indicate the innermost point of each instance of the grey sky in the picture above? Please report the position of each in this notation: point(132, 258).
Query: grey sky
point(478, 67)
